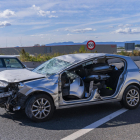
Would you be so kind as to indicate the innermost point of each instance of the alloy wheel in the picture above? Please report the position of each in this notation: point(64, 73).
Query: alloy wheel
point(132, 97)
point(41, 108)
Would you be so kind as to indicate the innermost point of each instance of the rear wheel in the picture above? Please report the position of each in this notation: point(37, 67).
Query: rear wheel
point(131, 97)
point(39, 108)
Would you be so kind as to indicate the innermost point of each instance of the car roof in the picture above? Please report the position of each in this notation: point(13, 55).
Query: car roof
point(7, 56)
point(79, 56)
point(76, 58)
point(83, 56)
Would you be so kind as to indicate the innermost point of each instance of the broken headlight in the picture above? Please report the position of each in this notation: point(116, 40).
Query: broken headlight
point(3, 84)
point(20, 85)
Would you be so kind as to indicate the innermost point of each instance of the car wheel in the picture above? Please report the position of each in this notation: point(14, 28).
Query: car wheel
point(39, 108)
point(131, 97)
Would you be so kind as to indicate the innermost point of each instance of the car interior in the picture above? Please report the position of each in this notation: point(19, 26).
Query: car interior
point(101, 73)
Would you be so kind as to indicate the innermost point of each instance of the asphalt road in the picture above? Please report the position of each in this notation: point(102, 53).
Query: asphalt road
point(65, 122)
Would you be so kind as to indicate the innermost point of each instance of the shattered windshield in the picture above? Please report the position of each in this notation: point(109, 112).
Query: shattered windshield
point(51, 66)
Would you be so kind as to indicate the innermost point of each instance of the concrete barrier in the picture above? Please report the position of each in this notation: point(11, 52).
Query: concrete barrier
point(135, 58)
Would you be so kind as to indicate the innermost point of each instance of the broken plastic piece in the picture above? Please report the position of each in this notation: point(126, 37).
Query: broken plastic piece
point(91, 87)
point(16, 108)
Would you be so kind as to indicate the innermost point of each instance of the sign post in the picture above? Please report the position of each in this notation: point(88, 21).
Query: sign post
point(130, 46)
point(91, 45)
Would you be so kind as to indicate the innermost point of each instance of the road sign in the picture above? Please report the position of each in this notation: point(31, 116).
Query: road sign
point(91, 45)
point(129, 46)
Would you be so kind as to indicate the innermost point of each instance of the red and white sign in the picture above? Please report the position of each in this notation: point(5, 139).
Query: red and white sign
point(113, 46)
point(91, 45)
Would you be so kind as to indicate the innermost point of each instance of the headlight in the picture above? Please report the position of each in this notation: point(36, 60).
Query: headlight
point(3, 84)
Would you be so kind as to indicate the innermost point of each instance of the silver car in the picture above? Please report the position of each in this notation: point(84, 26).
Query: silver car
point(70, 81)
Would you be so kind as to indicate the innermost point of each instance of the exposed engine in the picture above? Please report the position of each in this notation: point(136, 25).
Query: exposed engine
point(8, 94)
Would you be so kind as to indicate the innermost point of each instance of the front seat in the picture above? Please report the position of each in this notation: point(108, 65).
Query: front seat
point(77, 88)
point(65, 85)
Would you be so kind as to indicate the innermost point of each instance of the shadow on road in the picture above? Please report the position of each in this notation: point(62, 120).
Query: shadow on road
point(73, 118)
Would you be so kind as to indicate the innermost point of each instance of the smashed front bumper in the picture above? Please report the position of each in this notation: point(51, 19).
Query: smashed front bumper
point(5, 94)
point(4, 97)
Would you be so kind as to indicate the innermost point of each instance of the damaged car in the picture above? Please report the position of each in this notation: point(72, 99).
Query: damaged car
point(70, 81)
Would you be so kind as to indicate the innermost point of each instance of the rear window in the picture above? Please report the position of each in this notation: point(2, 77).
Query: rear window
point(12, 63)
point(117, 62)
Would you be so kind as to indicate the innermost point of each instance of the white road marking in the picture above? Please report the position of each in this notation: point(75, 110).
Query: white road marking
point(94, 125)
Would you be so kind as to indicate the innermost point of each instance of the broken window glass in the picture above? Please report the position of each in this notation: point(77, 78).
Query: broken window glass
point(52, 66)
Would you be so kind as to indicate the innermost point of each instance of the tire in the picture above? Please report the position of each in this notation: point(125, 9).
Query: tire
point(10, 109)
point(39, 108)
point(131, 97)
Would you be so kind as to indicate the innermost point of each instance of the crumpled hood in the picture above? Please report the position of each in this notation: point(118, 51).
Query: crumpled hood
point(18, 75)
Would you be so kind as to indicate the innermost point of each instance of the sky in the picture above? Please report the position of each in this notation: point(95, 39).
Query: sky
point(29, 22)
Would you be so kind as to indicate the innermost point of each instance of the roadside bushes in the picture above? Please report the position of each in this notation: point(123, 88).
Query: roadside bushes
point(83, 50)
point(24, 56)
point(134, 53)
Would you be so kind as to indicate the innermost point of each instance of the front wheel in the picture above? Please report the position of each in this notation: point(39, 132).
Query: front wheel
point(39, 108)
point(131, 97)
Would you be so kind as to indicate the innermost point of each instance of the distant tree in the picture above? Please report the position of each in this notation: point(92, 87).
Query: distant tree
point(43, 45)
point(22, 52)
point(138, 45)
point(24, 56)
point(121, 48)
point(37, 45)
point(82, 49)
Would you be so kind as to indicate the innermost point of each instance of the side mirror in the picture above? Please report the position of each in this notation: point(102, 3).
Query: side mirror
point(25, 66)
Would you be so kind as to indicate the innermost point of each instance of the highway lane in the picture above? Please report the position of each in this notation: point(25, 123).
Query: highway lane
point(64, 122)
point(124, 127)
point(67, 121)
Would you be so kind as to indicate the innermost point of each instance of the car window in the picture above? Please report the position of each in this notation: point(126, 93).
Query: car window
point(88, 63)
point(1, 64)
point(117, 62)
point(12, 63)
